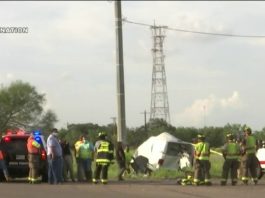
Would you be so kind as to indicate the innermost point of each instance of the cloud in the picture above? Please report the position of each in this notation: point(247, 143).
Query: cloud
point(10, 76)
point(195, 114)
point(65, 76)
point(233, 101)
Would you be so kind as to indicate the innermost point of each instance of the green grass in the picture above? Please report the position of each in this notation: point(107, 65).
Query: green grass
point(216, 165)
point(216, 171)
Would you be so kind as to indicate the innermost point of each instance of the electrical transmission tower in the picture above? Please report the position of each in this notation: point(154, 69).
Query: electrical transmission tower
point(159, 97)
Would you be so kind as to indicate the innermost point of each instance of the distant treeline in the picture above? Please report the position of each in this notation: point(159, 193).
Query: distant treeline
point(135, 136)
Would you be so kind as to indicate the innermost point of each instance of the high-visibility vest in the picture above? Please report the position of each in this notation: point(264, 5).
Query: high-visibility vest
point(250, 144)
point(104, 152)
point(232, 150)
point(33, 146)
point(85, 151)
point(202, 150)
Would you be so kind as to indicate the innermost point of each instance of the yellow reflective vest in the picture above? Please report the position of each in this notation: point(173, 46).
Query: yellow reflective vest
point(104, 152)
point(202, 151)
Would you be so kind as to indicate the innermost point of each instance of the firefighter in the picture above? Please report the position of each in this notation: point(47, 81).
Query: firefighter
point(202, 163)
point(33, 147)
point(103, 156)
point(231, 154)
point(249, 159)
point(188, 179)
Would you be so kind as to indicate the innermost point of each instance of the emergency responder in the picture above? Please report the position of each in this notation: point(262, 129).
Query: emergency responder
point(202, 163)
point(128, 158)
point(85, 154)
point(80, 173)
point(103, 156)
point(121, 160)
point(231, 154)
point(33, 147)
point(187, 180)
point(249, 159)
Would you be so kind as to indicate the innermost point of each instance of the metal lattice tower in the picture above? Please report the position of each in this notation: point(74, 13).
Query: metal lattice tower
point(159, 97)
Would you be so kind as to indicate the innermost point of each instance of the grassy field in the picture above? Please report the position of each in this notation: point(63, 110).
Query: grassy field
point(216, 170)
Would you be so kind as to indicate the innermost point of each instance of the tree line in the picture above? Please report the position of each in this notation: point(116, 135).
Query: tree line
point(21, 106)
point(135, 136)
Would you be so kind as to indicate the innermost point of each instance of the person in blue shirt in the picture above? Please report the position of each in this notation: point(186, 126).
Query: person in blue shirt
point(55, 158)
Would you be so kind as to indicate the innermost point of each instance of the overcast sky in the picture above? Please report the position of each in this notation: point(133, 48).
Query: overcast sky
point(69, 54)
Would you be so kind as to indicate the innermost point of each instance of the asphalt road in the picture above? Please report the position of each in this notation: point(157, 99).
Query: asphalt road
point(130, 189)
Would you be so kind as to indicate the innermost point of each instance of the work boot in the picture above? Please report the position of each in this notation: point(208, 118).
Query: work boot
point(245, 182)
point(234, 183)
point(208, 183)
point(223, 183)
point(104, 182)
point(120, 179)
point(95, 181)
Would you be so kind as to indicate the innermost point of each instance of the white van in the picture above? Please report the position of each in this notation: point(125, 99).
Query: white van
point(166, 151)
point(261, 157)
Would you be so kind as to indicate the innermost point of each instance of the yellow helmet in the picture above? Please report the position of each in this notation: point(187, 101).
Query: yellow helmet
point(102, 134)
point(201, 136)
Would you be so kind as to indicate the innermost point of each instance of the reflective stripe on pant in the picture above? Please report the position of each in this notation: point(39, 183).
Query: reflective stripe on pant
point(34, 166)
point(249, 163)
point(202, 170)
point(101, 169)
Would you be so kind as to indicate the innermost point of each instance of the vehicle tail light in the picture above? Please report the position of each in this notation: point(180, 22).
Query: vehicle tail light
point(262, 162)
point(160, 162)
point(7, 139)
point(43, 155)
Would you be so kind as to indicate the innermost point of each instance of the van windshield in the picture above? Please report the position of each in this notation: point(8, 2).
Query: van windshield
point(174, 148)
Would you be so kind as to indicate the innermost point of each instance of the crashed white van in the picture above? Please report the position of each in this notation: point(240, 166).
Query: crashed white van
point(261, 157)
point(165, 151)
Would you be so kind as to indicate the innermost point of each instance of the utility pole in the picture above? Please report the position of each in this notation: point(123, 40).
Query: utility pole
point(145, 126)
point(121, 133)
point(114, 135)
point(204, 107)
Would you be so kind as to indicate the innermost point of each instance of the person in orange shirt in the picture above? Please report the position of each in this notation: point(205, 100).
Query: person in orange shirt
point(34, 159)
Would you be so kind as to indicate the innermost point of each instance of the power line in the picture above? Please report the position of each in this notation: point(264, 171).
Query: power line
point(196, 32)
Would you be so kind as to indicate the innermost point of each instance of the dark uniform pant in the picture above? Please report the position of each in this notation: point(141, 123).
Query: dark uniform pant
point(101, 170)
point(34, 166)
point(230, 165)
point(202, 170)
point(249, 163)
point(122, 167)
